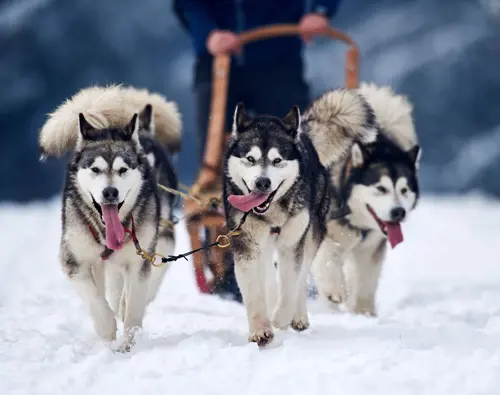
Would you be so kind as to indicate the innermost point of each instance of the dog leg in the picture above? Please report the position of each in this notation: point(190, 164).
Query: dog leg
point(136, 289)
point(300, 320)
point(272, 283)
point(114, 288)
point(288, 274)
point(328, 272)
point(250, 275)
point(291, 252)
point(90, 285)
point(367, 265)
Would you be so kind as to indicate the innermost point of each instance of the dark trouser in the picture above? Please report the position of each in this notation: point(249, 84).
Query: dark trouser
point(272, 90)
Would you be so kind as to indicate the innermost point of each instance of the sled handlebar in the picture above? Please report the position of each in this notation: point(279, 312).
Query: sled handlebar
point(351, 57)
point(220, 76)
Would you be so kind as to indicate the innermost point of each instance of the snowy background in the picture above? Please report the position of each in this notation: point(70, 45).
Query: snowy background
point(438, 330)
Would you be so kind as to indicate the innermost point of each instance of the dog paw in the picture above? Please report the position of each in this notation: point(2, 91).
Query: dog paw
point(365, 311)
point(300, 324)
point(261, 336)
point(335, 298)
point(365, 307)
point(125, 346)
point(128, 340)
point(333, 290)
point(105, 326)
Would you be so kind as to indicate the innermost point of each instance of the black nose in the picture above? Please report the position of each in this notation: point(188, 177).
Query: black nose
point(110, 194)
point(263, 184)
point(398, 214)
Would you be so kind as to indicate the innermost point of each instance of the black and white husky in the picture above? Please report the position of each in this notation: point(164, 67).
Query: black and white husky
point(367, 140)
point(272, 172)
point(116, 135)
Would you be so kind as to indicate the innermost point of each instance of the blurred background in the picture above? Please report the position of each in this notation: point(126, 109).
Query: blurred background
point(444, 55)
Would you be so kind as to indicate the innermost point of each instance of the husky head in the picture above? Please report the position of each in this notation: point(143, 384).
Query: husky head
point(382, 186)
point(109, 169)
point(263, 159)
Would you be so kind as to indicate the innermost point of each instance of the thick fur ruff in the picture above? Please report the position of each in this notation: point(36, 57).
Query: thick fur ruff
point(335, 120)
point(105, 107)
point(393, 113)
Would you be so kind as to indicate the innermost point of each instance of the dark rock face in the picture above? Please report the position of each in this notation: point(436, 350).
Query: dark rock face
point(443, 55)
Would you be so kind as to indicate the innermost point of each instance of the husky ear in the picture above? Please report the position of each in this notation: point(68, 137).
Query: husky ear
point(146, 121)
point(87, 131)
point(357, 156)
point(240, 119)
point(132, 129)
point(414, 154)
point(292, 120)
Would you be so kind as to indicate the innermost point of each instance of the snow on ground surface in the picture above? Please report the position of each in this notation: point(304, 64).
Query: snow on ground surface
point(438, 330)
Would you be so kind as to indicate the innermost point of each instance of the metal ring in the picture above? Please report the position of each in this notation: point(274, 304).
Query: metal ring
point(225, 243)
point(153, 256)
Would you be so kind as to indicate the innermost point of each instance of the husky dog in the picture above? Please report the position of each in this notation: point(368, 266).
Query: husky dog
point(273, 178)
point(110, 194)
point(376, 178)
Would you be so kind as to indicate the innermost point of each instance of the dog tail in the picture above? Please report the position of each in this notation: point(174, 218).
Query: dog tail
point(167, 119)
point(335, 121)
point(104, 107)
point(393, 113)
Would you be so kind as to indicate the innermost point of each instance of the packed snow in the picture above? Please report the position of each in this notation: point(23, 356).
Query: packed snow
point(438, 329)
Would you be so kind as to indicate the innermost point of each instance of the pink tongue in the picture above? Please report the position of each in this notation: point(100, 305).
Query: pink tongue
point(114, 228)
point(247, 202)
point(394, 233)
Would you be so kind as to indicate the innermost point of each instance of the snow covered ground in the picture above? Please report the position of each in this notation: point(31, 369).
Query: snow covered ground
point(438, 330)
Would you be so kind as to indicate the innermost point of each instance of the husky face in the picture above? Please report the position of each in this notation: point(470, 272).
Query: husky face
point(108, 179)
point(108, 166)
point(383, 185)
point(264, 158)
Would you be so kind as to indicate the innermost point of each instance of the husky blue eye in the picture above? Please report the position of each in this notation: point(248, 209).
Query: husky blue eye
point(96, 170)
point(251, 159)
point(122, 170)
point(382, 189)
point(276, 161)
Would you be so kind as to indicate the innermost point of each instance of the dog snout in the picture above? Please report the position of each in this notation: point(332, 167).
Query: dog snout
point(110, 194)
point(398, 214)
point(263, 184)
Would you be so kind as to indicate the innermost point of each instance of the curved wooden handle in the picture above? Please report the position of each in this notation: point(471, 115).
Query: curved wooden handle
point(352, 54)
point(220, 77)
point(280, 30)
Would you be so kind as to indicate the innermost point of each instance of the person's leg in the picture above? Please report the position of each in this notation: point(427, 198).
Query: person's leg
point(203, 93)
point(228, 286)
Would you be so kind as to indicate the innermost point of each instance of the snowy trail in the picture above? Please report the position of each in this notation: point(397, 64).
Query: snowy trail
point(438, 330)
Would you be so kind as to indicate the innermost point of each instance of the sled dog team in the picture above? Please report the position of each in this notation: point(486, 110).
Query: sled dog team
point(324, 192)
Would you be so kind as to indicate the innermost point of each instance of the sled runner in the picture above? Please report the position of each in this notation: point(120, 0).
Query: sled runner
point(207, 211)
